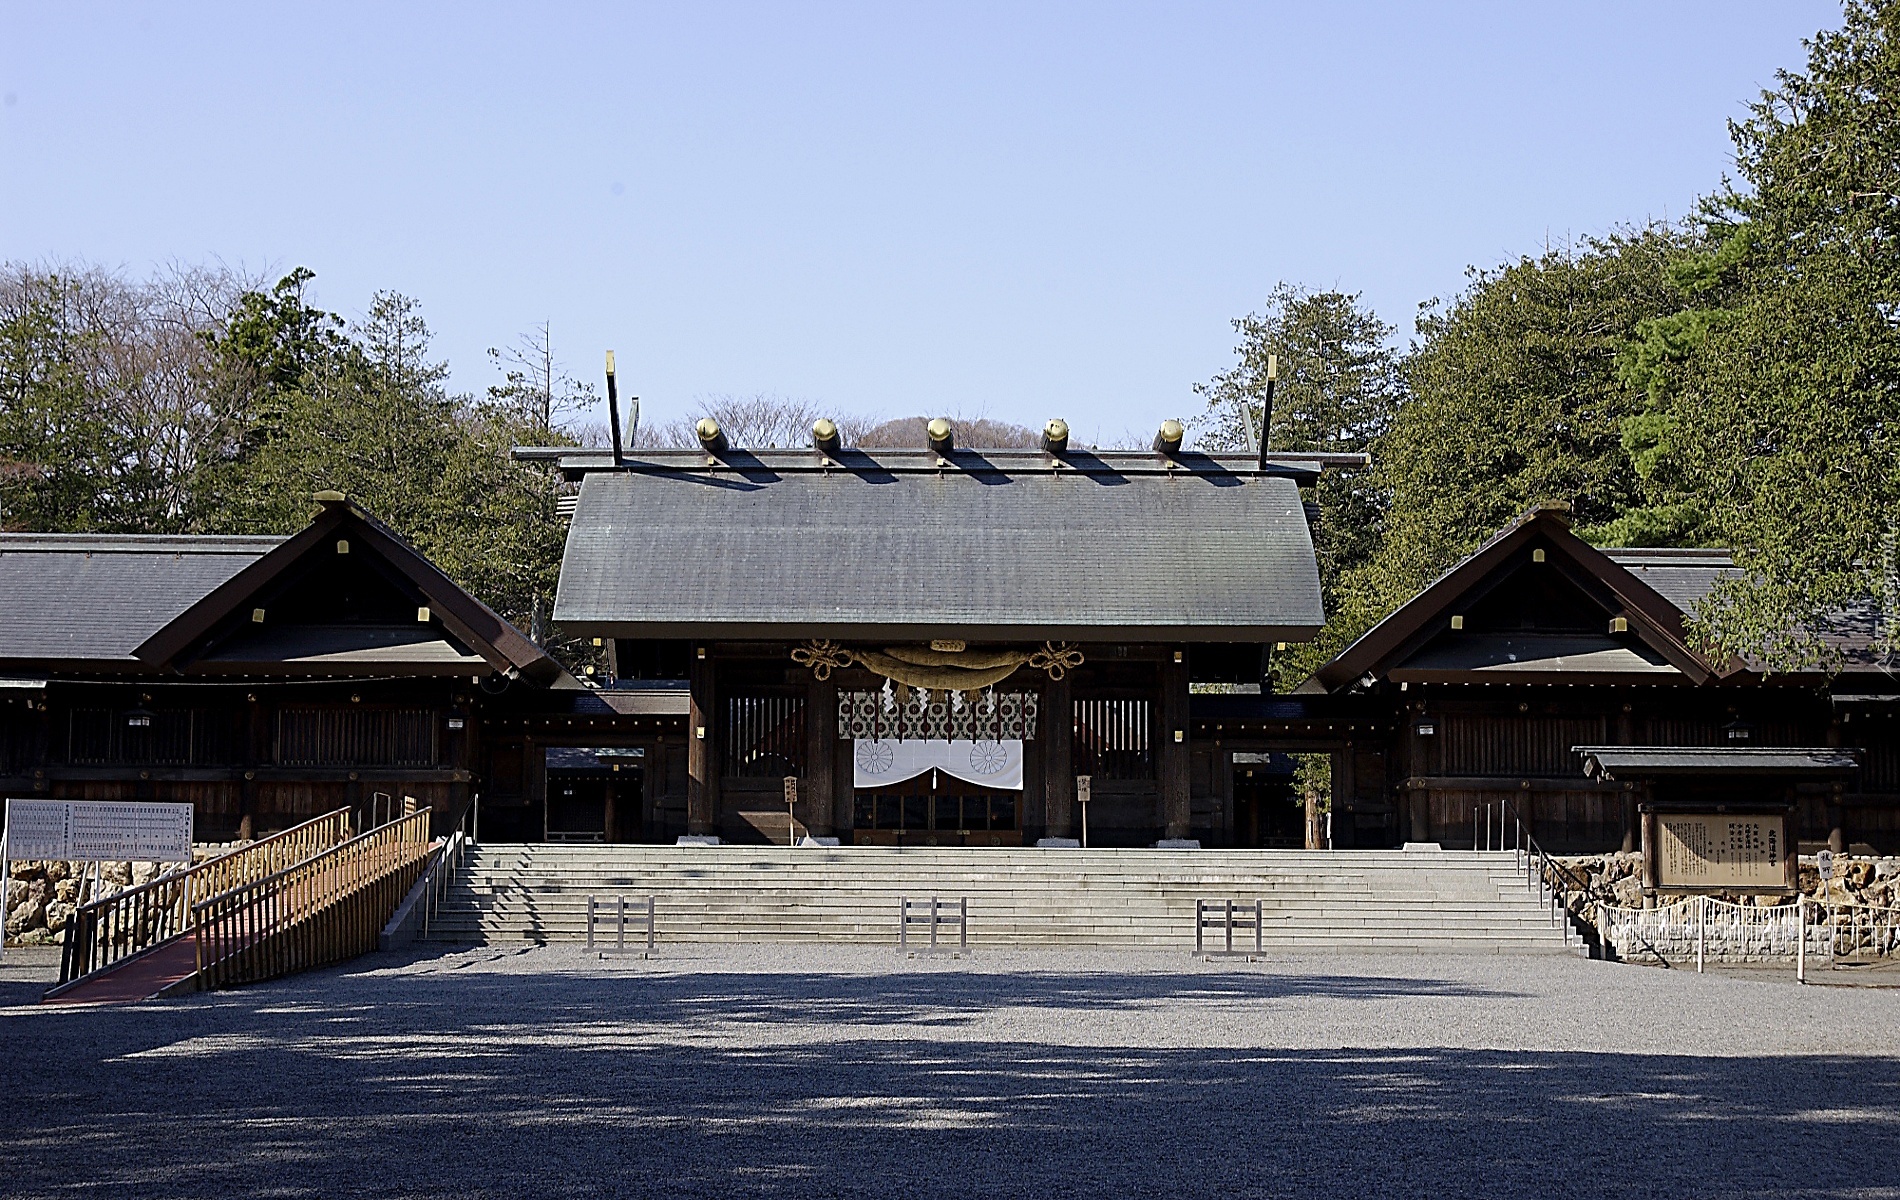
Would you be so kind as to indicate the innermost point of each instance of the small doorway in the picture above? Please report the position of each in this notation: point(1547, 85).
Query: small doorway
point(1268, 808)
point(595, 795)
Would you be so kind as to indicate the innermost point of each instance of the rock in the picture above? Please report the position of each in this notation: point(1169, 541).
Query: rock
point(57, 871)
point(29, 915)
point(66, 891)
point(1628, 892)
point(119, 873)
point(58, 914)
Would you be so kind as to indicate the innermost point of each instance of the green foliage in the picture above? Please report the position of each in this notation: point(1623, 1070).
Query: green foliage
point(1513, 396)
point(1776, 404)
point(367, 415)
point(52, 471)
point(1338, 387)
point(193, 404)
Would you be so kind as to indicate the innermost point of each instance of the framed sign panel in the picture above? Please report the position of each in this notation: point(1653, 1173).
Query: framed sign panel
point(98, 831)
point(1744, 852)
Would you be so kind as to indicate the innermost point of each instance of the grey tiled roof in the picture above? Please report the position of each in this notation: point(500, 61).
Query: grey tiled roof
point(1681, 577)
point(1208, 554)
point(1684, 577)
point(97, 597)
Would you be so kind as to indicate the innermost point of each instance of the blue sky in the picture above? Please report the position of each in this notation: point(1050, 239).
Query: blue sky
point(1009, 210)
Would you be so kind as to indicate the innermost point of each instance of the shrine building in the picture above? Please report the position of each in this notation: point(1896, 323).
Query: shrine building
point(933, 646)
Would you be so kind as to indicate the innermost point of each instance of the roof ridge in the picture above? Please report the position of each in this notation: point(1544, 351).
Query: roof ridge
point(1681, 554)
point(133, 543)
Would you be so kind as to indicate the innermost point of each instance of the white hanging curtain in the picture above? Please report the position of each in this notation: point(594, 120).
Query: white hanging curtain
point(876, 763)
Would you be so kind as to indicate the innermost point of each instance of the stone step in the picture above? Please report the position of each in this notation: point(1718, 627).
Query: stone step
point(1346, 900)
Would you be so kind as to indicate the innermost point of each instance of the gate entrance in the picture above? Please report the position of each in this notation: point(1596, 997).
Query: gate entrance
point(594, 795)
point(1268, 808)
point(937, 809)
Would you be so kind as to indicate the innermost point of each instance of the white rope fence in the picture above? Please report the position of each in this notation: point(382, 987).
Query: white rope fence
point(1702, 929)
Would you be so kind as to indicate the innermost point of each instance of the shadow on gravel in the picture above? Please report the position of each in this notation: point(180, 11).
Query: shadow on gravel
point(653, 992)
point(458, 1084)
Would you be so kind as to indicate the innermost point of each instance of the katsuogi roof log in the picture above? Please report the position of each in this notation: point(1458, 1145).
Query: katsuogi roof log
point(979, 546)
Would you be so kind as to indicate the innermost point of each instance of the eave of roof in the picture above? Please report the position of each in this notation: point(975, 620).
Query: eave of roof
point(501, 646)
point(1657, 621)
point(1518, 658)
point(1639, 762)
point(1188, 557)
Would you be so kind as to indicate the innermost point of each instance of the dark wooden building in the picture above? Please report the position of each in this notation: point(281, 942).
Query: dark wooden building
point(933, 644)
point(1494, 683)
point(263, 680)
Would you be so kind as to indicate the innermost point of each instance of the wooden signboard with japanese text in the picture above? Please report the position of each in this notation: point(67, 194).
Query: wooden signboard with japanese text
point(1742, 852)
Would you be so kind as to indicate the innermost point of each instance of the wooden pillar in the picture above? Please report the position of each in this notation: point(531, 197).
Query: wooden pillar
point(1175, 802)
point(257, 752)
point(702, 731)
point(1836, 821)
point(1056, 730)
point(821, 755)
point(1651, 849)
point(1632, 825)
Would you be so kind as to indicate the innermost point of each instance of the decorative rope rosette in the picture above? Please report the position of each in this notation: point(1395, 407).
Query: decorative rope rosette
point(1056, 658)
point(939, 670)
point(821, 657)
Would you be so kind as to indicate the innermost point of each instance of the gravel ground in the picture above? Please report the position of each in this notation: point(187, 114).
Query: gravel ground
point(835, 1071)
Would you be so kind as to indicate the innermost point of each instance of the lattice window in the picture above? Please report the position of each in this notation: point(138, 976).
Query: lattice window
point(1113, 739)
point(109, 737)
point(764, 737)
point(351, 737)
point(1517, 745)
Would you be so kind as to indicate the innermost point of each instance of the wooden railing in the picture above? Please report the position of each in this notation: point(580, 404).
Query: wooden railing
point(105, 932)
point(321, 911)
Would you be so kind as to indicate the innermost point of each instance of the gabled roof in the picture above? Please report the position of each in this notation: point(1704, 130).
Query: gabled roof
point(1417, 641)
point(988, 545)
point(1684, 577)
point(91, 599)
point(219, 633)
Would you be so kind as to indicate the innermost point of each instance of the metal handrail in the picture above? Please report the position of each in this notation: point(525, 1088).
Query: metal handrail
point(104, 932)
point(1539, 869)
point(441, 875)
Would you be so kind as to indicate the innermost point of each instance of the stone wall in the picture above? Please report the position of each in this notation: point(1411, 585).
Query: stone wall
point(41, 896)
point(1616, 879)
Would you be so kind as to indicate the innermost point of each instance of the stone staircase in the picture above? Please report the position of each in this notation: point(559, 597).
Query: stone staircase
point(1316, 901)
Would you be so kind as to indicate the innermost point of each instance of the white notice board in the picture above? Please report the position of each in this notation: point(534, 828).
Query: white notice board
point(98, 831)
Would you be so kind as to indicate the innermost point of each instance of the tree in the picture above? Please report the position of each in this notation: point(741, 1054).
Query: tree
point(53, 464)
point(1338, 387)
point(972, 433)
point(108, 415)
point(1512, 396)
point(536, 389)
point(1774, 400)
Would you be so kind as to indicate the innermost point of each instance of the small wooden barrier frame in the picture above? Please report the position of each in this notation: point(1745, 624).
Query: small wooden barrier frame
point(934, 913)
point(1223, 915)
point(620, 927)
